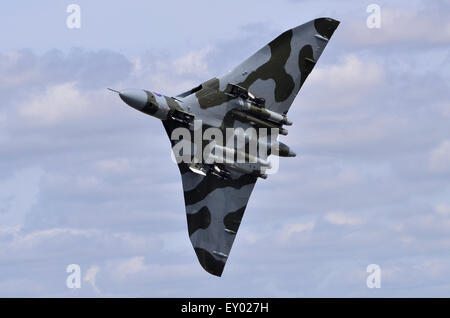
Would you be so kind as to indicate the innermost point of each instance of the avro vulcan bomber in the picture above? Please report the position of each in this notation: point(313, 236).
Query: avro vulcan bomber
point(223, 131)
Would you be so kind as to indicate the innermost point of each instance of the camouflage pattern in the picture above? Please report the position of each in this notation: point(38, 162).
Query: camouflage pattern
point(272, 77)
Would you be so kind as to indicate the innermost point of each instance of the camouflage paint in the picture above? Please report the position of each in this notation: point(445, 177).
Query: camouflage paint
point(215, 206)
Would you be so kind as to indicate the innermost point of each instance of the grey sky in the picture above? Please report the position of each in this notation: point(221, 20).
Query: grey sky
point(86, 180)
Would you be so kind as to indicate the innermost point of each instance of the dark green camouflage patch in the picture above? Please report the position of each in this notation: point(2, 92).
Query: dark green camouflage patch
point(208, 262)
point(305, 58)
point(210, 95)
point(198, 220)
point(233, 219)
point(325, 26)
point(280, 49)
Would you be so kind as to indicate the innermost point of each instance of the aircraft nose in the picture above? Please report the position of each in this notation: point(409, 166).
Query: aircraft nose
point(136, 98)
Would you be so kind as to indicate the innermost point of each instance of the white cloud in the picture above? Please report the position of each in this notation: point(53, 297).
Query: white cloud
point(443, 209)
point(349, 73)
point(130, 267)
point(167, 76)
point(17, 198)
point(444, 109)
point(439, 160)
point(9, 61)
point(90, 277)
point(194, 62)
point(356, 133)
point(3, 137)
point(340, 218)
point(37, 238)
point(119, 165)
point(403, 25)
point(344, 177)
point(347, 83)
point(293, 229)
point(61, 102)
point(88, 182)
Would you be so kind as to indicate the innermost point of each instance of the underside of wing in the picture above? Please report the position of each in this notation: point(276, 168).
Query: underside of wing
point(215, 206)
point(278, 70)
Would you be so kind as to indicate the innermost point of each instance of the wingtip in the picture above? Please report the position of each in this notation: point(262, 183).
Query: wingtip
point(326, 26)
point(209, 262)
point(331, 20)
